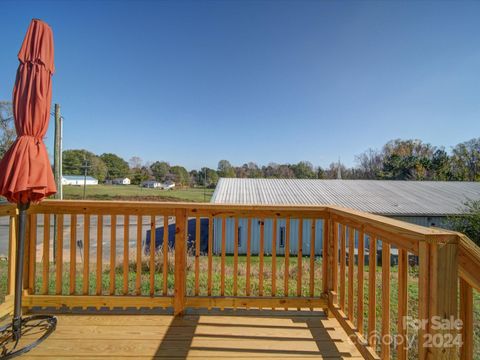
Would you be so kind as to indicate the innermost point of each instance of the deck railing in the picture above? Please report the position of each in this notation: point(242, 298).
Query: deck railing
point(107, 255)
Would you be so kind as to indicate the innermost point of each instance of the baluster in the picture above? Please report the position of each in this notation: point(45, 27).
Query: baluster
point(372, 295)
point(274, 257)
point(86, 254)
point(138, 275)
point(165, 255)
point(361, 262)
point(12, 249)
point(26, 256)
point(210, 255)
point(261, 253)
point(235, 258)
point(385, 352)
point(466, 315)
point(299, 257)
point(59, 256)
point(126, 238)
point(152, 254)
point(312, 256)
point(351, 264)
point(424, 273)
point(249, 250)
point(113, 251)
point(73, 253)
point(335, 259)
point(325, 256)
point(32, 253)
point(287, 258)
point(222, 266)
point(197, 255)
point(46, 253)
point(99, 254)
point(402, 348)
point(343, 260)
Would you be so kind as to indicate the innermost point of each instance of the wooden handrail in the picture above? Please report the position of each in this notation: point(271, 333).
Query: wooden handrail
point(161, 208)
point(7, 209)
point(469, 261)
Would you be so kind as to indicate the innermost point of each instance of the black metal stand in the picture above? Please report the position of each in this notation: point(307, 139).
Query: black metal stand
point(40, 325)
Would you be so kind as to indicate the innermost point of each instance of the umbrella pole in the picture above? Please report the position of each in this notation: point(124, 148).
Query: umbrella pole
point(40, 325)
point(17, 310)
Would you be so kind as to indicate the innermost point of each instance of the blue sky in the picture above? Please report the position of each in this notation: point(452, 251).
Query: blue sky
point(196, 82)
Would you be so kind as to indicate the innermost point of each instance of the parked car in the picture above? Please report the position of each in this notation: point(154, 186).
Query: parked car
point(191, 240)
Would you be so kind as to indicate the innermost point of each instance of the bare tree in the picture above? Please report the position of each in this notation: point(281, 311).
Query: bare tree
point(135, 162)
point(7, 130)
point(369, 164)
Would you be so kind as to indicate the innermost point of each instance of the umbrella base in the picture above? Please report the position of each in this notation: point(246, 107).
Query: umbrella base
point(33, 330)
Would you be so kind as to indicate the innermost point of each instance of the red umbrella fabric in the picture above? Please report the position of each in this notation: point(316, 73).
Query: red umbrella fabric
point(25, 170)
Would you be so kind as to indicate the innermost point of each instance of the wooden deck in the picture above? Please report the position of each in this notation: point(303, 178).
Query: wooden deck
point(227, 334)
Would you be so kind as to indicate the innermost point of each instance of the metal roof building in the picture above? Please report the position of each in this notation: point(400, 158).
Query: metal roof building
point(424, 203)
point(383, 197)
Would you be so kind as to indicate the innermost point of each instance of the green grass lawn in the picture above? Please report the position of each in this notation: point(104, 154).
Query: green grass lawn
point(3, 280)
point(135, 192)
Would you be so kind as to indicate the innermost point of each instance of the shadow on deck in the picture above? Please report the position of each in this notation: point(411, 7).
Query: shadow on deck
point(213, 334)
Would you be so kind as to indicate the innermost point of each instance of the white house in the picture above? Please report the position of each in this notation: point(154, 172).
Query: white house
point(152, 184)
point(78, 180)
point(168, 185)
point(121, 181)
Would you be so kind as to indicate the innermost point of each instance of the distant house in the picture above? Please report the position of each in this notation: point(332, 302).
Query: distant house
point(121, 181)
point(78, 180)
point(168, 185)
point(151, 184)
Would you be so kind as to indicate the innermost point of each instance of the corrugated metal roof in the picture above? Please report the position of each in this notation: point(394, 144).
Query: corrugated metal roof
point(385, 197)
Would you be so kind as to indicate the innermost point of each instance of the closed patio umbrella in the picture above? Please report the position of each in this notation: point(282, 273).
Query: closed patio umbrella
point(25, 172)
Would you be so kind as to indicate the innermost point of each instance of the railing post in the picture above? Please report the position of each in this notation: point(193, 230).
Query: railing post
point(328, 261)
point(438, 291)
point(180, 261)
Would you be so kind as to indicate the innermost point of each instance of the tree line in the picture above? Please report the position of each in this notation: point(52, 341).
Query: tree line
point(396, 160)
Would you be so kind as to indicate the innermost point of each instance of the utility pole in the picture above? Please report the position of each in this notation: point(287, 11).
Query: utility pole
point(57, 166)
point(205, 185)
point(85, 168)
point(57, 161)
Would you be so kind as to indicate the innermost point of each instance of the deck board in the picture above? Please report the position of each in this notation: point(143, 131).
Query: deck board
point(271, 335)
